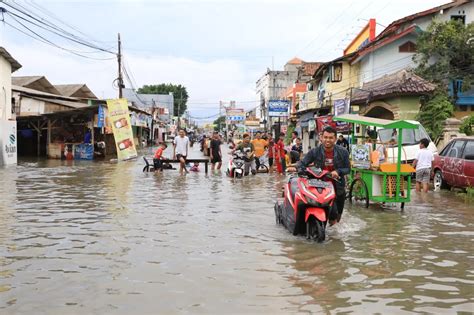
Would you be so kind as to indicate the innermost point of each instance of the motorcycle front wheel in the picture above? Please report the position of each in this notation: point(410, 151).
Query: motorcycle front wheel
point(315, 230)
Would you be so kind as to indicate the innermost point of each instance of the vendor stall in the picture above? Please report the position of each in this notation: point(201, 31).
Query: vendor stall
point(373, 178)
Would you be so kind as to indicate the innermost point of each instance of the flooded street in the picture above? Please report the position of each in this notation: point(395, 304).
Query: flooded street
point(97, 238)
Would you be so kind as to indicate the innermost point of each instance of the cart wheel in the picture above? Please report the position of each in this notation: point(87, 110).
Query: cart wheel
point(359, 192)
point(402, 206)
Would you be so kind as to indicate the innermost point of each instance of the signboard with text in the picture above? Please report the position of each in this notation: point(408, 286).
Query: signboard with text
point(122, 128)
point(278, 108)
point(235, 115)
point(8, 142)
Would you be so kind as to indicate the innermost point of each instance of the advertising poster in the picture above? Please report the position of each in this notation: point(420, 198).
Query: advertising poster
point(8, 142)
point(122, 128)
point(360, 155)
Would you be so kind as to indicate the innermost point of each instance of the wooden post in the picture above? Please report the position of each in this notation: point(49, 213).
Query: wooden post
point(48, 140)
point(38, 130)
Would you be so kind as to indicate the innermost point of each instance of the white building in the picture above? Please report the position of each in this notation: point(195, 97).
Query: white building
point(8, 132)
point(273, 85)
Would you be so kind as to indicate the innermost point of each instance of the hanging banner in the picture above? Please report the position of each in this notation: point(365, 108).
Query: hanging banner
point(122, 128)
point(101, 117)
point(324, 121)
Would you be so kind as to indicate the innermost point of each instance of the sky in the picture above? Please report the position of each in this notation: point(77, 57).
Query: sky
point(218, 49)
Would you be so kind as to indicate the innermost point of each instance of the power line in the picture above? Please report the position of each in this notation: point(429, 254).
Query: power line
point(53, 29)
point(48, 42)
point(51, 15)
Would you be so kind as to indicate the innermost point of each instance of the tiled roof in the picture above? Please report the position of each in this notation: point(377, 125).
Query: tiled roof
point(400, 83)
point(396, 24)
point(309, 68)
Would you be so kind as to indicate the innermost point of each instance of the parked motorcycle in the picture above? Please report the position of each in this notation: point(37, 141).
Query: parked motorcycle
point(235, 167)
point(308, 199)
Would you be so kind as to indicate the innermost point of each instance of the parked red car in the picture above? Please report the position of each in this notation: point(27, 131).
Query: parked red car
point(454, 165)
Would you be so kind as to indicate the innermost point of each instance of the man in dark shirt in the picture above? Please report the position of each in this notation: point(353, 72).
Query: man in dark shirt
point(334, 159)
point(343, 142)
point(296, 151)
point(215, 151)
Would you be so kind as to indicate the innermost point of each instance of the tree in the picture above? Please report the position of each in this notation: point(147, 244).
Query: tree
point(445, 53)
point(179, 93)
point(433, 114)
point(467, 125)
point(218, 122)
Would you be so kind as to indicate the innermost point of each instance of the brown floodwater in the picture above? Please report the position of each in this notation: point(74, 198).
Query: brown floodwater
point(95, 237)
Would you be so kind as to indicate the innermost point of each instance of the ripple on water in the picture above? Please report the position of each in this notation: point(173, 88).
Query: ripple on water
point(205, 244)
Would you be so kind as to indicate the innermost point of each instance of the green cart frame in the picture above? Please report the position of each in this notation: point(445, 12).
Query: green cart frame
point(380, 186)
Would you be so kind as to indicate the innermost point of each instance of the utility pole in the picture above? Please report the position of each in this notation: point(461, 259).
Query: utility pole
point(119, 59)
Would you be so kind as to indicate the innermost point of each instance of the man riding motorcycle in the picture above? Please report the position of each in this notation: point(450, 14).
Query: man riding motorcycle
point(334, 159)
point(249, 151)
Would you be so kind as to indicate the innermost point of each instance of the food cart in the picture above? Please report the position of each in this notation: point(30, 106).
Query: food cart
point(370, 179)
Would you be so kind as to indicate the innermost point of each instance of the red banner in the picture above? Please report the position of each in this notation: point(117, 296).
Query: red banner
point(324, 121)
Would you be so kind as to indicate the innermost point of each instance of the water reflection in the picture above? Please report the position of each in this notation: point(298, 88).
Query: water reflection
point(107, 238)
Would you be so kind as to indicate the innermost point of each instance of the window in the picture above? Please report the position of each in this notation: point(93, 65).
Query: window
point(336, 72)
point(456, 149)
point(469, 149)
point(409, 136)
point(408, 47)
point(460, 18)
point(446, 149)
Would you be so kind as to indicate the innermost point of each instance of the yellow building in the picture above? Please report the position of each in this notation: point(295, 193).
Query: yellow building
point(333, 81)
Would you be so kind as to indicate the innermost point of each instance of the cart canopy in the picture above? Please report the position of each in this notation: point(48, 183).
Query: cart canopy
point(376, 122)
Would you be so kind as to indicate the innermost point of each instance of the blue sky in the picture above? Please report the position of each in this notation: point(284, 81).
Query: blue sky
point(217, 49)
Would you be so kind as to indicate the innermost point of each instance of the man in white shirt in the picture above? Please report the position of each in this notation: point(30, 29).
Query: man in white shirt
point(180, 150)
point(423, 161)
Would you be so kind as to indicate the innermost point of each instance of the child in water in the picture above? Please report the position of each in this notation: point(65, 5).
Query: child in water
point(195, 167)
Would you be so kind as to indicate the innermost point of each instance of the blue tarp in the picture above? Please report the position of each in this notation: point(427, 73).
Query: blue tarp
point(305, 118)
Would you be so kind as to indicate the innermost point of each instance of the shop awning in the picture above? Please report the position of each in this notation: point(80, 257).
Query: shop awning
point(305, 118)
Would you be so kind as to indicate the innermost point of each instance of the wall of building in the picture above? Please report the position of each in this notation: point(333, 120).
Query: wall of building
point(29, 106)
point(5, 90)
point(339, 90)
point(388, 59)
point(385, 60)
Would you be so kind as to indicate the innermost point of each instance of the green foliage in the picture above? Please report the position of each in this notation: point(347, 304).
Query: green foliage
point(467, 124)
point(289, 131)
point(434, 113)
point(451, 46)
point(179, 92)
point(219, 122)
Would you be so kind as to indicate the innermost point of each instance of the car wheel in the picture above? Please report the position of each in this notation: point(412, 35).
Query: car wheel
point(438, 181)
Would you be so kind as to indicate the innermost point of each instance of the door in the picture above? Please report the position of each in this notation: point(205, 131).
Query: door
point(452, 165)
point(468, 167)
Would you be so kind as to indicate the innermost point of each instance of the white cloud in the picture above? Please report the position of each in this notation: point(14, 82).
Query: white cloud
point(212, 81)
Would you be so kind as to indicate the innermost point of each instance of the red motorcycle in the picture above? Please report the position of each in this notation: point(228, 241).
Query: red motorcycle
point(308, 199)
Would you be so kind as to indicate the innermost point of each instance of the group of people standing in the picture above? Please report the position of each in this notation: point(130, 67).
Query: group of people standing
point(279, 154)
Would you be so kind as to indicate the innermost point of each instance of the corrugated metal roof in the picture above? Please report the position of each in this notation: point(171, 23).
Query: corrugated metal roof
point(39, 83)
point(39, 93)
point(75, 90)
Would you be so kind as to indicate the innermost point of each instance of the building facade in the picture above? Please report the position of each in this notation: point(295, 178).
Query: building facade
point(8, 109)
